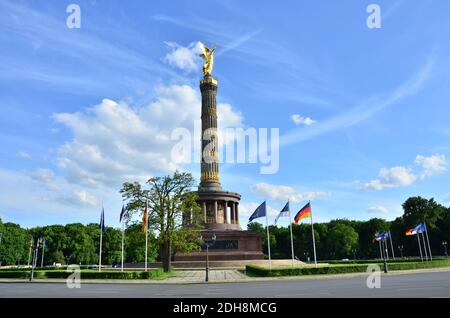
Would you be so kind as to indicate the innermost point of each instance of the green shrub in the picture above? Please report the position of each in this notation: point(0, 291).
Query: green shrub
point(340, 269)
point(85, 274)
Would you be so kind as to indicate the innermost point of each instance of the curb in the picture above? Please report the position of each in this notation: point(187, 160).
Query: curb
point(246, 280)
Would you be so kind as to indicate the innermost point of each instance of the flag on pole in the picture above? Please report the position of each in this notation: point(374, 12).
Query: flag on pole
point(122, 213)
point(259, 212)
point(283, 213)
point(381, 236)
point(144, 221)
point(304, 213)
point(411, 231)
point(102, 221)
point(420, 228)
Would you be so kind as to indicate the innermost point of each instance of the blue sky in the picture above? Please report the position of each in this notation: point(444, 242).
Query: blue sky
point(363, 113)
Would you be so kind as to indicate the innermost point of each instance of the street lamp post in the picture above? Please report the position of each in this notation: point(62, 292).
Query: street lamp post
point(400, 247)
point(306, 256)
point(354, 254)
point(208, 245)
point(444, 244)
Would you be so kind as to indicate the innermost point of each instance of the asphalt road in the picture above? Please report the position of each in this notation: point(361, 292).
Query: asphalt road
point(421, 285)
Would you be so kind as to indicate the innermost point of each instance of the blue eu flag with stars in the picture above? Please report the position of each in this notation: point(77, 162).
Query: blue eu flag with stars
point(259, 212)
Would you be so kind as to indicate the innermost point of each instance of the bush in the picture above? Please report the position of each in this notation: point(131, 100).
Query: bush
point(86, 274)
point(340, 269)
point(372, 261)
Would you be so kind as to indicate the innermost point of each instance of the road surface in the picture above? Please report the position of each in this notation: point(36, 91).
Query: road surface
point(434, 284)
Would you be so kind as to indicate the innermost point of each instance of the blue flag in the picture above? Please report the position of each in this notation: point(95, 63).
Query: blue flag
point(122, 213)
point(102, 220)
point(420, 228)
point(284, 212)
point(259, 212)
point(381, 236)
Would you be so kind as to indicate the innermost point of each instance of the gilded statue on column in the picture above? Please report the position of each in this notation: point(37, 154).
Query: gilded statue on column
point(208, 56)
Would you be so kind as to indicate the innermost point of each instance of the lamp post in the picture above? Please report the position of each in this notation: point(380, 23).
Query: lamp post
point(354, 254)
point(444, 244)
point(208, 244)
point(400, 247)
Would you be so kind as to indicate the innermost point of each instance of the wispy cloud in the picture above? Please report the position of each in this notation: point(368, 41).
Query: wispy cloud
point(364, 110)
point(90, 56)
point(228, 40)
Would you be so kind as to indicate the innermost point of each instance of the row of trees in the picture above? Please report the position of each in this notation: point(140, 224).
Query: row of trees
point(169, 198)
point(74, 244)
point(166, 199)
point(348, 239)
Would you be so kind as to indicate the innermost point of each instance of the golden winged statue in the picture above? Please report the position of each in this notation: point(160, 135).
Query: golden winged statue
point(208, 56)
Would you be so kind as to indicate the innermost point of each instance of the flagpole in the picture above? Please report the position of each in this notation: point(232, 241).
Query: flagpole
point(29, 254)
point(43, 251)
point(292, 240)
point(123, 234)
point(424, 247)
point(101, 240)
point(420, 249)
point(428, 240)
point(392, 246)
point(268, 241)
point(314, 241)
point(146, 235)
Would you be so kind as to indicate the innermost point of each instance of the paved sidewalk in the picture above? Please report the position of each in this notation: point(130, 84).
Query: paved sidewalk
point(198, 276)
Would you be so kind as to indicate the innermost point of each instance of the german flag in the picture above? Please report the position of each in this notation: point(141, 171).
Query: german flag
point(412, 231)
point(304, 213)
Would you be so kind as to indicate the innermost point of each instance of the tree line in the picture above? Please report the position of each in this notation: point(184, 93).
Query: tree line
point(344, 238)
point(79, 244)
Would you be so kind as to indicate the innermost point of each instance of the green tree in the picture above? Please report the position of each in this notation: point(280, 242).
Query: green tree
point(14, 244)
point(342, 239)
point(169, 199)
point(135, 244)
point(417, 210)
point(79, 246)
point(366, 233)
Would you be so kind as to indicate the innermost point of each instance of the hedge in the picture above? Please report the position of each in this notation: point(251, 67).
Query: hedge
point(371, 261)
point(152, 274)
point(340, 269)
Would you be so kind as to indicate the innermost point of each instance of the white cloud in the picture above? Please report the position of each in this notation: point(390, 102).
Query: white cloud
point(431, 165)
point(402, 176)
point(299, 120)
point(24, 155)
point(43, 190)
point(283, 193)
point(79, 197)
point(185, 58)
point(377, 210)
point(114, 142)
point(392, 178)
